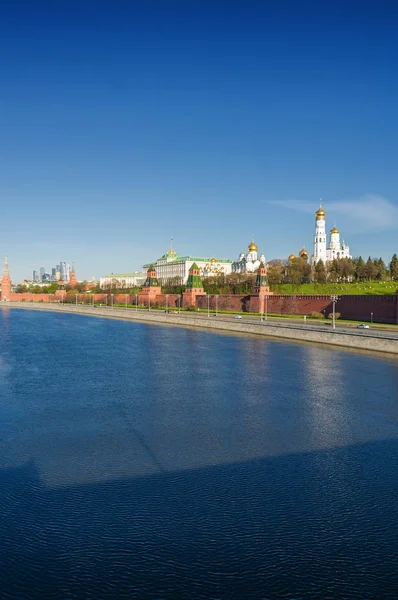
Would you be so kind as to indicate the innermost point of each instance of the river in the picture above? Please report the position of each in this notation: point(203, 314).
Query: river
point(151, 462)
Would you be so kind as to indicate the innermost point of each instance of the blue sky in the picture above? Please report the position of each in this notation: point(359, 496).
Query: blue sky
point(125, 123)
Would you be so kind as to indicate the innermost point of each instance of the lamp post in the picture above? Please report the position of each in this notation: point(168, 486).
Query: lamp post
point(111, 301)
point(371, 317)
point(126, 301)
point(334, 299)
point(261, 307)
point(179, 302)
point(216, 304)
point(266, 307)
point(167, 303)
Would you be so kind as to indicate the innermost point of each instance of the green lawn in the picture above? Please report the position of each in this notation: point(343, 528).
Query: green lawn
point(357, 288)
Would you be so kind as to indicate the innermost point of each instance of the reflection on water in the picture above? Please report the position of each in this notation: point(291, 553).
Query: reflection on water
point(211, 453)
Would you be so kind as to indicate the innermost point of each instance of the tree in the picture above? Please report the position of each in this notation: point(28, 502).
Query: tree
point(320, 273)
point(370, 270)
point(393, 267)
point(275, 275)
point(360, 271)
point(381, 269)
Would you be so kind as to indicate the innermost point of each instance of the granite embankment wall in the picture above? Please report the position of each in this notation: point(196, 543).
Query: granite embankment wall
point(357, 341)
point(380, 309)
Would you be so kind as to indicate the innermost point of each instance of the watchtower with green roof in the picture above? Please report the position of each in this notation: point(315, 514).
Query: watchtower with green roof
point(261, 290)
point(151, 287)
point(194, 286)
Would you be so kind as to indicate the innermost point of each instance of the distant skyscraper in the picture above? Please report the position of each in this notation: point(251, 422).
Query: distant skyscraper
point(35, 275)
point(62, 268)
point(42, 271)
point(53, 272)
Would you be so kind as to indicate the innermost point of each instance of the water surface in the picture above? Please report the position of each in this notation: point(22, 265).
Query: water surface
point(150, 462)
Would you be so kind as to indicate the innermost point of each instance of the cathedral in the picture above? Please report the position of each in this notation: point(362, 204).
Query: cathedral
point(249, 263)
point(336, 249)
point(322, 251)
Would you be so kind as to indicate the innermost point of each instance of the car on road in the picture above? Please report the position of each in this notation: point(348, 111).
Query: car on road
point(238, 317)
point(362, 326)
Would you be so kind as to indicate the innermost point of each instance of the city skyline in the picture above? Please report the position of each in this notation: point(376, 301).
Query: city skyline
point(121, 128)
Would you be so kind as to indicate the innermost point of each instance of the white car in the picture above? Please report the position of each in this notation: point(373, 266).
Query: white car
point(238, 316)
point(362, 326)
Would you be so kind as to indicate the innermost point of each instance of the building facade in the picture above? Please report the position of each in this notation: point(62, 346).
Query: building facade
point(171, 266)
point(322, 251)
point(250, 262)
point(123, 280)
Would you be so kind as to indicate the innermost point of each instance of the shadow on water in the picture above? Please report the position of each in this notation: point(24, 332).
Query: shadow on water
point(320, 524)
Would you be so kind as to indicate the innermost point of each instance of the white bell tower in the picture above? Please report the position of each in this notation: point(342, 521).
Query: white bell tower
point(320, 235)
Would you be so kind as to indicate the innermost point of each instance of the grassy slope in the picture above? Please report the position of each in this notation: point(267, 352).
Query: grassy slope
point(357, 288)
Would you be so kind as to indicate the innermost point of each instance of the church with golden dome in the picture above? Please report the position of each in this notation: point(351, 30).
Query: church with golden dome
point(250, 262)
point(322, 251)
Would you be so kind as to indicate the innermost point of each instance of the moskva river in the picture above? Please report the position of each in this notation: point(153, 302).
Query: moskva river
point(151, 462)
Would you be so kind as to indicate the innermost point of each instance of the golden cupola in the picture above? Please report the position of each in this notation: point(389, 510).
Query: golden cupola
point(320, 213)
point(253, 247)
point(292, 257)
point(334, 230)
point(303, 253)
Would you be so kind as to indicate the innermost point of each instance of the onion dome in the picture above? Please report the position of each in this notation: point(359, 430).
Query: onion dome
point(292, 257)
point(334, 230)
point(320, 213)
point(253, 247)
point(303, 253)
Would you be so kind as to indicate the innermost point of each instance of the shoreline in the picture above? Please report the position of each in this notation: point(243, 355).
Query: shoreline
point(350, 340)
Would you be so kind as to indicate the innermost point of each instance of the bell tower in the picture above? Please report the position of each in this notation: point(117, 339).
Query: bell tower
point(6, 282)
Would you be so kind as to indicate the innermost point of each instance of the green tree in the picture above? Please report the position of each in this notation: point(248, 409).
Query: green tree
point(370, 270)
point(320, 272)
point(393, 267)
point(360, 270)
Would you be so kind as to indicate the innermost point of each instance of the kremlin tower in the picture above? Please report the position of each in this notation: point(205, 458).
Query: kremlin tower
point(194, 286)
point(6, 282)
point(72, 278)
point(320, 235)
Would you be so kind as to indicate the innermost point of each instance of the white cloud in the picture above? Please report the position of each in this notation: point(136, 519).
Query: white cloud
point(368, 213)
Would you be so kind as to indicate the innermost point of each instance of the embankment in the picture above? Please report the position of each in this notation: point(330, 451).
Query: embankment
point(374, 342)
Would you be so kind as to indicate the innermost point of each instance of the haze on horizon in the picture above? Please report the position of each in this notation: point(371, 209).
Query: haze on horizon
point(124, 124)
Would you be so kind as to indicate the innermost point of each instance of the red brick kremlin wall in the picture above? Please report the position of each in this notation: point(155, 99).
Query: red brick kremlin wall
point(384, 308)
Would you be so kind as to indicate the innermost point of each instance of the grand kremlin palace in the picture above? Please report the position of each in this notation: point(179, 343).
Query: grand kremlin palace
point(172, 265)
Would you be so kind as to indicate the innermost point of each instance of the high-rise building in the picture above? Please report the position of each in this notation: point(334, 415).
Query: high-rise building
point(62, 268)
point(53, 272)
point(35, 275)
point(42, 271)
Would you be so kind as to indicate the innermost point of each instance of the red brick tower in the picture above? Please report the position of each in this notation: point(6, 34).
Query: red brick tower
point(6, 283)
point(194, 286)
point(151, 287)
point(261, 289)
point(72, 279)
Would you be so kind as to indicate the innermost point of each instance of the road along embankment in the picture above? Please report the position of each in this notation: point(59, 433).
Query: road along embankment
point(377, 342)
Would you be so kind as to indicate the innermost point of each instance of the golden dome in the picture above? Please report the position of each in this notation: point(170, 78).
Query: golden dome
point(171, 251)
point(253, 247)
point(303, 252)
point(320, 213)
point(334, 230)
point(292, 257)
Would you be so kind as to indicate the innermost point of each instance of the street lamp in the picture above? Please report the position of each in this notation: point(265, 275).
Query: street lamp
point(266, 307)
point(126, 301)
point(371, 317)
point(334, 299)
point(179, 302)
point(136, 302)
point(112, 301)
point(167, 303)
